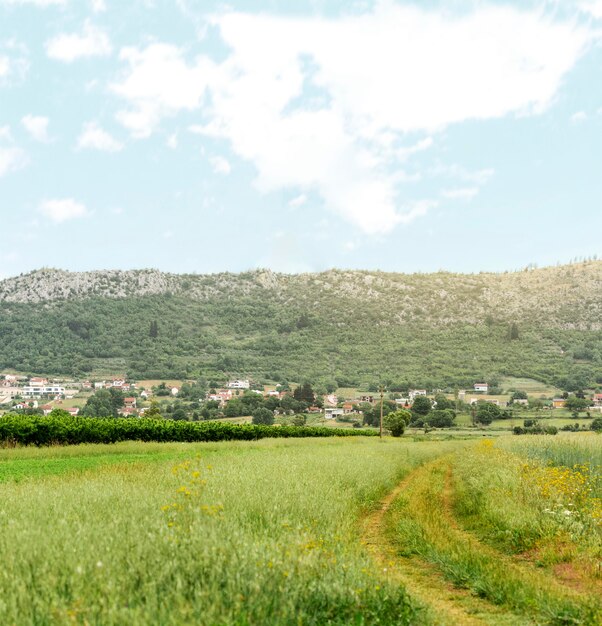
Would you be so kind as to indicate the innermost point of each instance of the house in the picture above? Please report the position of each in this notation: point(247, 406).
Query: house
point(118, 382)
point(598, 399)
point(481, 387)
point(369, 399)
point(330, 400)
point(522, 401)
point(47, 390)
point(144, 394)
point(100, 384)
point(333, 412)
point(558, 403)
point(239, 384)
point(127, 411)
point(403, 402)
point(86, 384)
point(38, 382)
point(348, 408)
point(47, 408)
point(129, 403)
point(73, 411)
point(415, 393)
point(273, 394)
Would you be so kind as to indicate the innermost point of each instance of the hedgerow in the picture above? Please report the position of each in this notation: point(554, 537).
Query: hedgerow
point(50, 430)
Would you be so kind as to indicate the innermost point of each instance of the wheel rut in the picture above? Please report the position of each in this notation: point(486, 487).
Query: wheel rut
point(446, 604)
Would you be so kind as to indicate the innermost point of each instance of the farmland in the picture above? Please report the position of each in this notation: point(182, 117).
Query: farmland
point(321, 531)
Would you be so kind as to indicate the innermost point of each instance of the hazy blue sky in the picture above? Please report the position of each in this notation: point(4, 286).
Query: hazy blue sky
point(198, 136)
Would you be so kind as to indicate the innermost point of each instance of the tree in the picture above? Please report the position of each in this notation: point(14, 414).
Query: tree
point(487, 412)
point(154, 412)
point(513, 333)
point(397, 421)
point(576, 405)
point(421, 406)
point(263, 416)
point(154, 330)
point(441, 418)
point(179, 414)
point(304, 393)
point(597, 424)
point(443, 403)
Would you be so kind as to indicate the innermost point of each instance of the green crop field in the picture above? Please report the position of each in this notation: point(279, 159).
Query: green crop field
point(304, 531)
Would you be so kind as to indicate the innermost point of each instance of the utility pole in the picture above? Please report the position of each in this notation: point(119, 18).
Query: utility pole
point(381, 390)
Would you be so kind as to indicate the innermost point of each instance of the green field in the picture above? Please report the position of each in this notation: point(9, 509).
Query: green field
point(321, 531)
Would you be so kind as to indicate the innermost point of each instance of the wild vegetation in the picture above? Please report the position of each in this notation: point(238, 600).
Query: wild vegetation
point(337, 328)
point(289, 531)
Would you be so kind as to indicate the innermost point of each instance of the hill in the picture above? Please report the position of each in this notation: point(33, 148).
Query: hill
point(352, 327)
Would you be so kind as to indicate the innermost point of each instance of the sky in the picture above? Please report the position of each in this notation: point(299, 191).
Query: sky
point(301, 135)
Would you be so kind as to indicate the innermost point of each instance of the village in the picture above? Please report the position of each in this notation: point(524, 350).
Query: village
point(42, 395)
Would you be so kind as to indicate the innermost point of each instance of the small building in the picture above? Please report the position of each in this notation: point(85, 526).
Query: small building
point(522, 401)
point(348, 408)
point(239, 384)
point(330, 400)
point(46, 408)
point(73, 411)
point(129, 403)
point(558, 403)
point(598, 399)
point(414, 393)
point(481, 387)
point(369, 399)
point(403, 402)
point(100, 384)
point(333, 412)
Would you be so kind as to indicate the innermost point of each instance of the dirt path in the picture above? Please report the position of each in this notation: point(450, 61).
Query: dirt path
point(446, 604)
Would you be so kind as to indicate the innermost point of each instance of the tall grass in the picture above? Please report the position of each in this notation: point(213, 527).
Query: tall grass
point(264, 533)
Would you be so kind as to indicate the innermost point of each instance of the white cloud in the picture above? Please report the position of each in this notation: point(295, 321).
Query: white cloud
point(579, 116)
point(95, 138)
point(298, 201)
point(593, 8)
point(62, 210)
point(98, 6)
point(463, 193)
point(158, 83)
point(172, 141)
point(12, 157)
point(220, 165)
point(38, 3)
point(92, 42)
point(36, 126)
point(389, 74)
point(4, 66)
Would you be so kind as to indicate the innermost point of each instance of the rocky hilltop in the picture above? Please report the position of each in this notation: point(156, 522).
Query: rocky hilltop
point(352, 325)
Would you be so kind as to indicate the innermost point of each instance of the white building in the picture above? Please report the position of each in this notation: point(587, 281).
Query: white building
point(482, 387)
point(239, 384)
point(48, 390)
point(332, 413)
point(416, 392)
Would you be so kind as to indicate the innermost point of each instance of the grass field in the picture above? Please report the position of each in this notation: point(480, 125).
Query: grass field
point(303, 532)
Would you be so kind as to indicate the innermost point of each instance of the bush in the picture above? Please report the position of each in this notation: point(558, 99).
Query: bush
point(596, 424)
point(263, 416)
point(441, 418)
point(396, 422)
point(44, 431)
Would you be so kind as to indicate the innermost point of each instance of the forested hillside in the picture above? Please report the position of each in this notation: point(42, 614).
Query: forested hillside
point(352, 327)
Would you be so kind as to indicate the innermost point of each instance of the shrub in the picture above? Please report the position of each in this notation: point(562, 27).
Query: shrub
point(441, 418)
point(43, 431)
point(396, 422)
point(596, 424)
point(263, 416)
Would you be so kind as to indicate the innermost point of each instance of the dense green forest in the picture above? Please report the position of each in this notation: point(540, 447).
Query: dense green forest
point(345, 327)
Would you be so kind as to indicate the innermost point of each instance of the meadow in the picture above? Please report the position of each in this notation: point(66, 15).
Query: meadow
point(303, 531)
